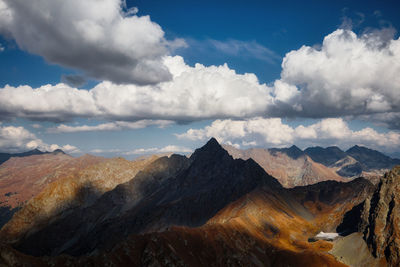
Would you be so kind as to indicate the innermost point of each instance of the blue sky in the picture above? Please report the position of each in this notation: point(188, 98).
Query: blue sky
point(305, 98)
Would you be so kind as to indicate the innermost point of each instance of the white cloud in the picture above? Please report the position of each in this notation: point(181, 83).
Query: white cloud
point(101, 38)
point(166, 149)
point(1, 48)
point(111, 126)
point(102, 151)
point(194, 93)
point(36, 126)
point(18, 139)
point(273, 132)
point(347, 75)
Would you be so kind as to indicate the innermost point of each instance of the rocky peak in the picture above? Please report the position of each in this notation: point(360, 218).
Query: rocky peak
point(57, 151)
point(293, 152)
point(211, 150)
point(326, 156)
point(372, 159)
point(380, 220)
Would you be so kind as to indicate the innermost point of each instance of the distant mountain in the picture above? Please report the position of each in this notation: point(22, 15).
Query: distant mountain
point(6, 156)
point(355, 162)
point(294, 152)
point(22, 178)
point(326, 156)
point(371, 159)
point(74, 182)
point(290, 166)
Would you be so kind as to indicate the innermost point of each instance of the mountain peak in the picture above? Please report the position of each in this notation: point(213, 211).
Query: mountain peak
point(57, 151)
point(293, 152)
point(212, 142)
point(212, 149)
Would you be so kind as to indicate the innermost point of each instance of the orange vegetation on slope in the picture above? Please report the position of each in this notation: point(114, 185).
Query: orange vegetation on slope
point(24, 177)
point(74, 189)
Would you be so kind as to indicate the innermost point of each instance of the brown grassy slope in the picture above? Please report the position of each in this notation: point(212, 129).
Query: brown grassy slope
point(27, 176)
point(73, 189)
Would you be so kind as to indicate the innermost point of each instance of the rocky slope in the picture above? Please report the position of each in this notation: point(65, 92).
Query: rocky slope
point(177, 191)
point(22, 178)
point(290, 166)
point(206, 210)
point(266, 227)
point(380, 219)
point(78, 188)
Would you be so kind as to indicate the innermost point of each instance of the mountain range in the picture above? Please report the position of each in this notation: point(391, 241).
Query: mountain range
point(293, 166)
point(220, 207)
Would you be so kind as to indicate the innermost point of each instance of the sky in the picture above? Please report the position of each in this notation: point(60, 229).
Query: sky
point(128, 78)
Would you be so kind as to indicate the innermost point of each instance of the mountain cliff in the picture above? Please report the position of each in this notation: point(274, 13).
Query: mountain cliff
point(381, 219)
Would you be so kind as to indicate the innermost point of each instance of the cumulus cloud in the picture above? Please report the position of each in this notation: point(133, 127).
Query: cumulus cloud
point(273, 132)
point(348, 75)
point(111, 126)
point(194, 93)
point(18, 139)
point(166, 149)
point(101, 38)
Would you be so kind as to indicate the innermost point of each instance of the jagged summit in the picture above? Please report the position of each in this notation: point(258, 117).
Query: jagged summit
point(326, 156)
point(371, 159)
point(212, 149)
point(294, 152)
point(58, 151)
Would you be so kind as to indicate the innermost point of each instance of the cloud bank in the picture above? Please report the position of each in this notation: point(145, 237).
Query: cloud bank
point(273, 132)
point(166, 149)
point(101, 38)
point(194, 93)
point(111, 126)
point(348, 75)
point(18, 139)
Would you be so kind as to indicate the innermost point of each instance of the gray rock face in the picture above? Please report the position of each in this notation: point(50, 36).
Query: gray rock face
point(380, 220)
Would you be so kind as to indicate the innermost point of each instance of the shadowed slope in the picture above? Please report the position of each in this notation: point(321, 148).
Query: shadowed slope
point(171, 191)
point(22, 178)
point(79, 188)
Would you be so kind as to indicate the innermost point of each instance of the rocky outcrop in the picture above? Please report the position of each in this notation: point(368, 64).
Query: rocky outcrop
point(380, 220)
